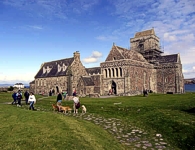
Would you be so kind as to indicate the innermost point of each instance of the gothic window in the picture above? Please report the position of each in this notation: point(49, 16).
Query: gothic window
point(113, 75)
point(37, 82)
point(116, 72)
point(109, 72)
point(121, 73)
point(106, 73)
point(44, 82)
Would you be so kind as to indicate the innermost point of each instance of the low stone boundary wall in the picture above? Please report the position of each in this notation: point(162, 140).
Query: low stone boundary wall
point(69, 98)
point(94, 95)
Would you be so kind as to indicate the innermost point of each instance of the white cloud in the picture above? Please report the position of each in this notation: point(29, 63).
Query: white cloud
point(90, 60)
point(24, 77)
point(36, 27)
point(168, 37)
point(93, 58)
point(106, 38)
point(189, 73)
point(53, 8)
point(96, 54)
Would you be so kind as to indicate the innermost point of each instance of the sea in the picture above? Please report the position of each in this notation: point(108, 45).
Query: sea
point(189, 87)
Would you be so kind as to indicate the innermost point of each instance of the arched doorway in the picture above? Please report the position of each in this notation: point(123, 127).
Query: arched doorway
point(57, 89)
point(113, 86)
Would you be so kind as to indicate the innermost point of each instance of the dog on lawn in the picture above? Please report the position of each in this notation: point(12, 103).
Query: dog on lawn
point(55, 107)
point(84, 109)
point(65, 109)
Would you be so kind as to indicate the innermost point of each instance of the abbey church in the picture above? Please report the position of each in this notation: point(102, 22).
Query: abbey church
point(125, 72)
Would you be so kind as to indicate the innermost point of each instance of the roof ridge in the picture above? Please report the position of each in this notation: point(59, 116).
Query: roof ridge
point(119, 50)
point(59, 60)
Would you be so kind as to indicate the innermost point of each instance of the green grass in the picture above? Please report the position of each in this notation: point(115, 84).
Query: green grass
point(173, 116)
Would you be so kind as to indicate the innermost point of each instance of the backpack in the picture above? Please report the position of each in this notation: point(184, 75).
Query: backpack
point(19, 96)
point(77, 105)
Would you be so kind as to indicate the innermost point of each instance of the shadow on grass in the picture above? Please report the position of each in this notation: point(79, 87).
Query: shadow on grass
point(191, 110)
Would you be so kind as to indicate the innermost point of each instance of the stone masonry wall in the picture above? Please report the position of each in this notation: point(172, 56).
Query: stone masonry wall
point(114, 54)
point(166, 79)
point(135, 76)
point(78, 70)
point(43, 85)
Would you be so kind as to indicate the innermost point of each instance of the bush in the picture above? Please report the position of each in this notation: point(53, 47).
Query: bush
point(11, 88)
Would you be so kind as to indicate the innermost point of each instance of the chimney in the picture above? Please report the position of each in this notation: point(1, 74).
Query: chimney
point(76, 55)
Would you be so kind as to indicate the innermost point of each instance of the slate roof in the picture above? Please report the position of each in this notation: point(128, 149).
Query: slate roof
point(54, 68)
point(131, 54)
point(18, 84)
point(168, 58)
point(32, 82)
point(94, 70)
point(87, 81)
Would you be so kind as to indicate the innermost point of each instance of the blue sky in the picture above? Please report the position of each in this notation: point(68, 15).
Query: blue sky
point(37, 31)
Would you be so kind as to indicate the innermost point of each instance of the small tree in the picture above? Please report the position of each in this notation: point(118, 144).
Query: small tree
point(11, 88)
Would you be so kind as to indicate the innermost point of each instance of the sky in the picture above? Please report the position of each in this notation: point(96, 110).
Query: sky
point(36, 31)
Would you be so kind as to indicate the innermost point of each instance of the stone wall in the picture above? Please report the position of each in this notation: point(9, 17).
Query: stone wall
point(114, 54)
point(78, 70)
point(134, 77)
point(32, 88)
point(170, 79)
point(43, 85)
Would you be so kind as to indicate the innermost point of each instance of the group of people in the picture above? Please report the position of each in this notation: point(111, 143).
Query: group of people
point(76, 101)
point(29, 99)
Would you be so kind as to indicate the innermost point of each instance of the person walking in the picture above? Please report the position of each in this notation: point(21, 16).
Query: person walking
point(64, 94)
point(19, 98)
point(76, 104)
point(32, 101)
point(26, 95)
point(14, 98)
point(59, 100)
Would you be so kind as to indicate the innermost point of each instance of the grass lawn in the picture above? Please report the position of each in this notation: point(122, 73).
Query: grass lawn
point(172, 116)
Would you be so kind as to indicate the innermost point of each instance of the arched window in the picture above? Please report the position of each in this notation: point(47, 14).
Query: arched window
point(113, 74)
point(44, 82)
point(109, 72)
point(116, 72)
point(121, 72)
point(105, 73)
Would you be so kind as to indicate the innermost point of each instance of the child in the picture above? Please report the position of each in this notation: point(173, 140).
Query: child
point(32, 101)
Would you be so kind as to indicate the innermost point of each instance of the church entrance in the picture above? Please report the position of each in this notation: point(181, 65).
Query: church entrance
point(113, 87)
point(57, 89)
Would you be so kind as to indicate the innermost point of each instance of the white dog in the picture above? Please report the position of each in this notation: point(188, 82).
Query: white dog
point(84, 109)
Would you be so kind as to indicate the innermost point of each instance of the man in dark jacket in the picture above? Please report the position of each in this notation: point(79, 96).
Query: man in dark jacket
point(26, 95)
point(14, 98)
point(19, 98)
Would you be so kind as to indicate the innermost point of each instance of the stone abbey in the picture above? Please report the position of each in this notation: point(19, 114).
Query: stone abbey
point(125, 72)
